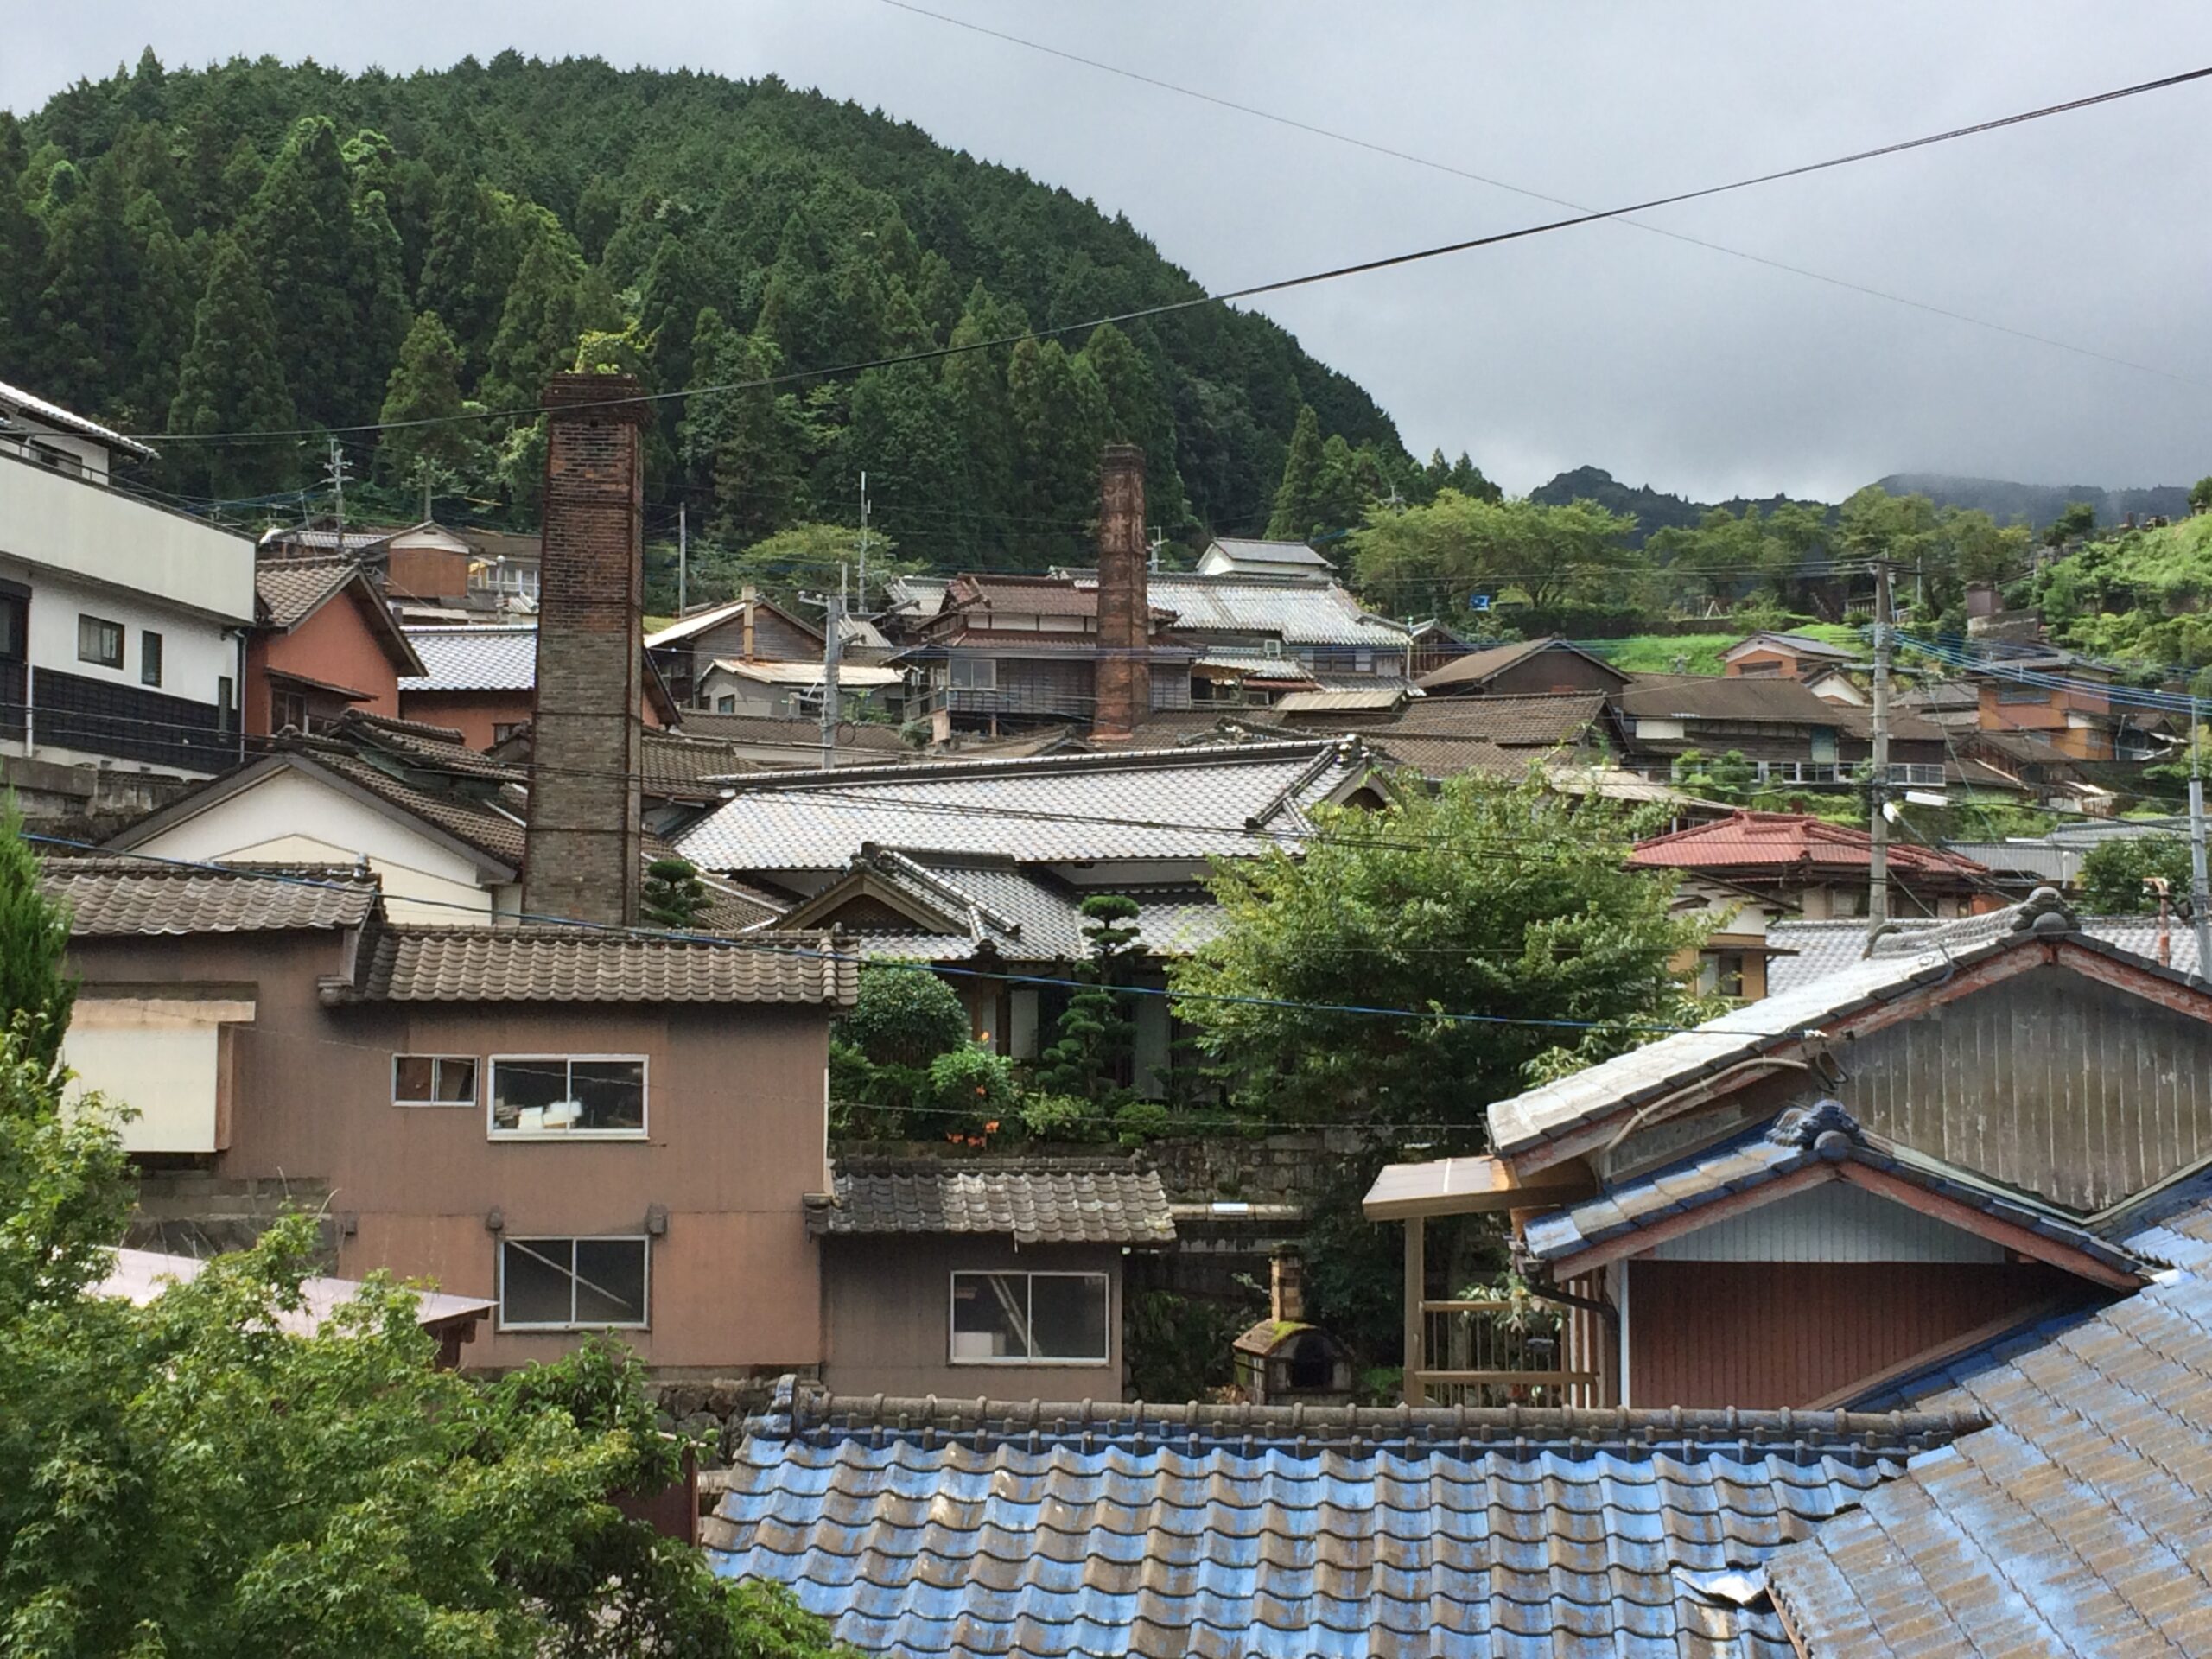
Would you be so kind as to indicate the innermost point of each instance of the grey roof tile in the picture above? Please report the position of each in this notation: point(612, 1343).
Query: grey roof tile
point(1178, 804)
point(110, 897)
point(499, 657)
point(567, 964)
point(2077, 1523)
point(921, 1529)
point(1031, 1200)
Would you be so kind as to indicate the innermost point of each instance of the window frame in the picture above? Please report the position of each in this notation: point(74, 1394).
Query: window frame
point(988, 665)
point(475, 1085)
point(1029, 1276)
point(122, 640)
point(149, 657)
point(491, 1092)
point(644, 1241)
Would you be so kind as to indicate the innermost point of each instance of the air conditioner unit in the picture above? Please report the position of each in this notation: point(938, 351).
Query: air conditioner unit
point(1271, 648)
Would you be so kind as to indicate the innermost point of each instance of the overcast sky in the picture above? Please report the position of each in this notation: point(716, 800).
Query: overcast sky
point(1662, 362)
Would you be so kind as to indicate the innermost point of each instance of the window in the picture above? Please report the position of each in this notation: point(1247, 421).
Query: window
point(150, 658)
point(975, 674)
point(1758, 670)
point(433, 1080)
point(2012, 692)
point(226, 702)
point(1029, 1319)
point(561, 1093)
point(561, 1284)
point(726, 703)
point(15, 628)
point(1721, 971)
point(99, 641)
point(288, 710)
point(504, 730)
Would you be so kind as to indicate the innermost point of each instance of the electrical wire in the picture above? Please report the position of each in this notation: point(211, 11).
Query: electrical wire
point(818, 953)
point(1254, 291)
point(1336, 136)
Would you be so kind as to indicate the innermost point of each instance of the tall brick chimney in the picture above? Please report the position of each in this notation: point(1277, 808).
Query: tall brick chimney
point(1124, 678)
point(583, 854)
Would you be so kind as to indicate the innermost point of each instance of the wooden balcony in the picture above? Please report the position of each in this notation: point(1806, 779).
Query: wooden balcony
point(1486, 1353)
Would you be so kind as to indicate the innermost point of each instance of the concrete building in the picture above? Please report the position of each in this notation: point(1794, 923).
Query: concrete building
point(122, 624)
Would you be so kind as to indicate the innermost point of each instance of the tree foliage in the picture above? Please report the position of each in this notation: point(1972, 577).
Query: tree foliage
point(1088, 1056)
point(2114, 871)
point(673, 895)
point(1436, 556)
point(1496, 901)
point(36, 992)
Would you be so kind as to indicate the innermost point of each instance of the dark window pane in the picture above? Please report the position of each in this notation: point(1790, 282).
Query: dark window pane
point(519, 1086)
point(410, 1077)
point(457, 1080)
point(610, 1281)
point(1069, 1311)
point(990, 1317)
point(535, 1280)
point(611, 1093)
point(149, 657)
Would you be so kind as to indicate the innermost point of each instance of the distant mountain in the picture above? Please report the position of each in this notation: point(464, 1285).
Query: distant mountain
point(1653, 510)
point(2038, 504)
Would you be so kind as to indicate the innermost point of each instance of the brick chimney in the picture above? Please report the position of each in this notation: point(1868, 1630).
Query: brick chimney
point(583, 852)
point(1124, 678)
point(1286, 1289)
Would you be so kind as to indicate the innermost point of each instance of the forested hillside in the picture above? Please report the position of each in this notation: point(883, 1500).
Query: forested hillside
point(2038, 505)
point(262, 245)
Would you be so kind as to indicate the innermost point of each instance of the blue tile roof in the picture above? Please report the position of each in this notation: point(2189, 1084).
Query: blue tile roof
point(1798, 1138)
point(1042, 1531)
point(2079, 1522)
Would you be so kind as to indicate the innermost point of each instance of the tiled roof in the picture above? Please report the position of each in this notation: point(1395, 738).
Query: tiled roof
point(1447, 757)
point(1147, 805)
point(707, 621)
point(1800, 1138)
point(1820, 949)
point(674, 763)
point(1480, 667)
point(1297, 611)
point(2077, 1523)
point(493, 657)
point(1032, 1201)
point(1790, 843)
point(1288, 555)
point(1803, 644)
point(1707, 697)
point(54, 415)
point(566, 965)
point(1535, 721)
point(1900, 966)
point(1365, 699)
point(794, 733)
point(436, 748)
point(496, 834)
point(924, 1527)
point(1952, 694)
point(288, 591)
point(111, 897)
point(1022, 596)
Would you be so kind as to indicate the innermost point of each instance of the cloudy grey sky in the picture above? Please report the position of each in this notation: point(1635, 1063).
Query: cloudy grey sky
point(1663, 362)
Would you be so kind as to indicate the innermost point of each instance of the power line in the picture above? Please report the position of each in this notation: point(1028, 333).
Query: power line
point(1336, 136)
point(1279, 285)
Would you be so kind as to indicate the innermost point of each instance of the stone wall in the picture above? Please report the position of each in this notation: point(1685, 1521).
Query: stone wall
point(189, 1213)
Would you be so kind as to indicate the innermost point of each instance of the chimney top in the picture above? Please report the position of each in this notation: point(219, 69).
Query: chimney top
point(1286, 1289)
point(584, 396)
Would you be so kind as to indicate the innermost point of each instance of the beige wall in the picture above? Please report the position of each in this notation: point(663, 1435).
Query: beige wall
point(888, 1307)
point(734, 1140)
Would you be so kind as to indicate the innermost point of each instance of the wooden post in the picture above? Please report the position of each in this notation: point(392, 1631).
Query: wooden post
point(1415, 1393)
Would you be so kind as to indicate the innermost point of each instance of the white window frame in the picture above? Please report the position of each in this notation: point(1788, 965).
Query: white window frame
point(122, 640)
point(437, 1060)
point(1029, 1275)
point(493, 1132)
point(642, 1240)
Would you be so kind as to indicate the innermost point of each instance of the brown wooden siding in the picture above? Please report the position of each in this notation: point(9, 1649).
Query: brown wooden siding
point(1768, 1334)
point(1551, 671)
point(2074, 1090)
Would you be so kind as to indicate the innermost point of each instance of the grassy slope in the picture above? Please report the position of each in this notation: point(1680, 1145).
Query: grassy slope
point(1654, 653)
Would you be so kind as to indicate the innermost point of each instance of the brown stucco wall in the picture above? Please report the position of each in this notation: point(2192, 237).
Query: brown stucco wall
point(473, 714)
point(734, 1104)
point(333, 645)
point(888, 1319)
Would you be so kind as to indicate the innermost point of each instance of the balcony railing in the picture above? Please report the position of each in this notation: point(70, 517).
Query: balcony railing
point(1480, 1353)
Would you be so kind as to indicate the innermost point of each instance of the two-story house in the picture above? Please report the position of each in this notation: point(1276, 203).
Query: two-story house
point(1782, 656)
point(324, 643)
point(123, 624)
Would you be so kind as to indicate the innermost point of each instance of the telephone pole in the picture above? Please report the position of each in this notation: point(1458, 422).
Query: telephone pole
point(833, 652)
point(1877, 858)
point(682, 557)
point(863, 581)
point(336, 476)
point(2199, 901)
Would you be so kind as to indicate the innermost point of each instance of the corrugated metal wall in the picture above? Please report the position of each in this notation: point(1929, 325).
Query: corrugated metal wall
point(1835, 1223)
point(1773, 1334)
point(2050, 1081)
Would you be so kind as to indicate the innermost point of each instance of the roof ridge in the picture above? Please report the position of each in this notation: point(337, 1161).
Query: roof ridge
point(1096, 760)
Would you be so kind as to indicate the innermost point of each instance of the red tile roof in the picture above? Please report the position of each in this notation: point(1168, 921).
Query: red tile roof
point(1798, 841)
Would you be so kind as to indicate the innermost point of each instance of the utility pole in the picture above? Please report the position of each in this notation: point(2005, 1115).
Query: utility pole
point(1878, 860)
point(423, 466)
point(833, 650)
point(336, 476)
point(1152, 554)
point(863, 581)
point(682, 557)
point(2198, 900)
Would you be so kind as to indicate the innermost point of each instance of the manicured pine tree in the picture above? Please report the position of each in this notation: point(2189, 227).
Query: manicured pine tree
point(1292, 517)
point(233, 380)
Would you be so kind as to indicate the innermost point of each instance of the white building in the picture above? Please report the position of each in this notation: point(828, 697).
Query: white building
point(122, 624)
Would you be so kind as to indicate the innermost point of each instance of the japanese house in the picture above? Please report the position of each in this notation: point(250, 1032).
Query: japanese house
point(1530, 667)
point(324, 643)
point(1819, 869)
